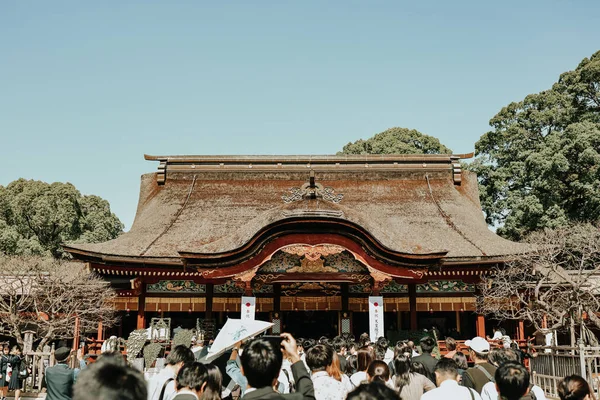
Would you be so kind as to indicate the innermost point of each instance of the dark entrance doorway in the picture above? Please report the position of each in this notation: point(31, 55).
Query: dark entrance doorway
point(311, 324)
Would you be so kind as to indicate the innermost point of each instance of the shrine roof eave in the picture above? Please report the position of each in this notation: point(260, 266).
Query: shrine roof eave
point(137, 262)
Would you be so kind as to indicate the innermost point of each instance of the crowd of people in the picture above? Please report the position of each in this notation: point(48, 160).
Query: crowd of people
point(326, 369)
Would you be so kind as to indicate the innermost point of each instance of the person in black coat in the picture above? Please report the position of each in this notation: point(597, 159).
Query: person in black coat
point(16, 363)
point(4, 357)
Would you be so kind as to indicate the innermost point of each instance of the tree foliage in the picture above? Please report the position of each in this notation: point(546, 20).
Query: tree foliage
point(539, 165)
point(36, 217)
point(47, 295)
point(397, 141)
point(558, 281)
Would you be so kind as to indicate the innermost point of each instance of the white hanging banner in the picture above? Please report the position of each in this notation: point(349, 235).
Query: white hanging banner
point(376, 317)
point(248, 307)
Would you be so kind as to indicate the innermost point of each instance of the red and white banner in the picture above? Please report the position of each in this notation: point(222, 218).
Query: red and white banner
point(376, 317)
point(248, 307)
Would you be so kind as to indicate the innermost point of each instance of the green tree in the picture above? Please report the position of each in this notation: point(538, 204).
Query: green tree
point(36, 217)
point(539, 165)
point(397, 141)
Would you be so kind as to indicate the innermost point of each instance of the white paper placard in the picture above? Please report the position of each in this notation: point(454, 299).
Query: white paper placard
point(248, 307)
point(376, 317)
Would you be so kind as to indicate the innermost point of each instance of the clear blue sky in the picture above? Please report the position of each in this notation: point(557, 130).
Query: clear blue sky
point(88, 87)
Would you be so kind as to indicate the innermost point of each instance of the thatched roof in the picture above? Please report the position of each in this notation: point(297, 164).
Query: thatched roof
point(216, 204)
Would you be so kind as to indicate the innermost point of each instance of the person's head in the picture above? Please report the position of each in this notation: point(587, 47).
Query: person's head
point(113, 357)
point(62, 354)
point(378, 371)
point(308, 343)
point(383, 343)
point(180, 355)
point(402, 364)
point(214, 380)
point(574, 387)
point(351, 364)
point(300, 345)
point(364, 357)
point(446, 369)
point(340, 345)
point(418, 368)
point(109, 380)
point(427, 344)
point(450, 344)
point(478, 348)
point(512, 381)
point(16, 350)
point(193, 376)
point(352, 347)
point(261, 362)
point(402, 348)
point(461, 360)
point(5, 349)
point(364, 339)
point(319, 357)
point(500, 356)
point(372, 391)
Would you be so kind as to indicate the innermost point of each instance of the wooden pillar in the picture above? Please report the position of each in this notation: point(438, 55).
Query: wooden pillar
point(480, 325)
point(412, 301)
point(458, 321)
point(141, 313)
point(277, 298)
point(76, 334)
point(100, 331)
point(544, 322)
point(209, 301)
point(521, 332)
point(345, 295)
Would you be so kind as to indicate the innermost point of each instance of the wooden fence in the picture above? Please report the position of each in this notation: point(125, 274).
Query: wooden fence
point(551, 364)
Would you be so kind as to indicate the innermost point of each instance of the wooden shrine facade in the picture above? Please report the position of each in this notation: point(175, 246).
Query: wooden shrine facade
point(301, 233)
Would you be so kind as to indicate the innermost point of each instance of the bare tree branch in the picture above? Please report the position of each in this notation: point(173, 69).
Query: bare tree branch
point(48, 295)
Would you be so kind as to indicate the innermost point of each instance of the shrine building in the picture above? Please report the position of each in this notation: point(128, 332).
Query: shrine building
point(311, 237)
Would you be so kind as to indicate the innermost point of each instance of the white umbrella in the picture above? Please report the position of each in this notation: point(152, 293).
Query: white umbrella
point(232, 332)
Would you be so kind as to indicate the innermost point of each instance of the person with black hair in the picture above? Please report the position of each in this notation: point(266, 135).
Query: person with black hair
point(446, 375)
point(192, 381)
point(60, 378)
point(364, 340)
point(4, 357)
point(162, 385)
point(429, 362)
point(110, 379)
point(340, 347)
point(497, 357)
point(351, 365)
point(372, 391)
point(461, 362)
point(364, 357)
point(214, 383)
point(16, 363)
point(261, 363)
point(408, 384)
point(512, 381)
point(383, 346)
point(326, 387)
point(574, 387)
